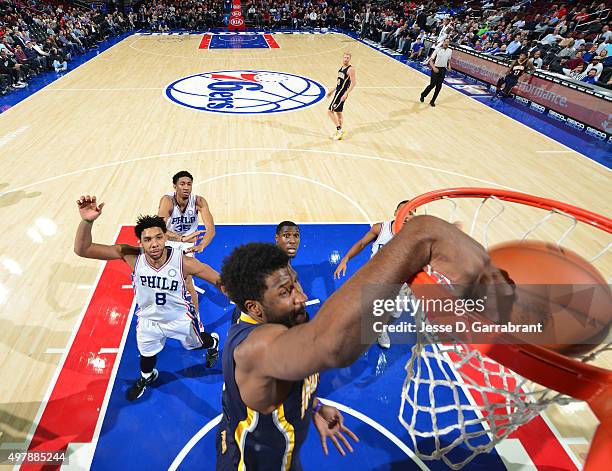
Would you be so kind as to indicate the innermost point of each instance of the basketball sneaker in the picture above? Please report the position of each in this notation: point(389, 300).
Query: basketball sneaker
point(383, 340)
point(138, 389)
point(212, 354)
point(339, 135)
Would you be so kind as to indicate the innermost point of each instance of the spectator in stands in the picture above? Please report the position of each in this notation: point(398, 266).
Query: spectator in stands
point(574, 73)
point(39, 61)
point(607, 84)
point(417, 49)
point(581, 16)
point(592, 52)
point(596, 65)
point(494, 49)
point(536, 59)
point(551, 38)
point(59, 62)
point(558, 65)
point(514, 46)
point(591, 77)
point(578, 59)
point(606, 46)
point(606, 60)
point(21, 58)
point(8, 66)
point(568, 48)
point(541, 27)
point(580, 41)
point(604, 35)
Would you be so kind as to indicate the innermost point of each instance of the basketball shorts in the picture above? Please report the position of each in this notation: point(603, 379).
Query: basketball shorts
point(151, 335)
point(337, 106)
point(181, 246)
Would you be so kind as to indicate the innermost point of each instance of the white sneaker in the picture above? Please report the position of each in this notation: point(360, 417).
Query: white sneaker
point(339, 135)
point(383, 340)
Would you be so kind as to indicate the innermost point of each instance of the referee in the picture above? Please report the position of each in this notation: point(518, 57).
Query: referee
point(439, 63)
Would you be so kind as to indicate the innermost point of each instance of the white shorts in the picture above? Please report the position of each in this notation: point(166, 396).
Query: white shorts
point(151, 335)
point(175, 244)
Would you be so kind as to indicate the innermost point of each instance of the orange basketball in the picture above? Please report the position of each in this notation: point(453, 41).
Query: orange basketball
point(559, 288)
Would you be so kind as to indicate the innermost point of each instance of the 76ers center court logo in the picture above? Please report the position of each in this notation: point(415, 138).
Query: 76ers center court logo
point(245, 92)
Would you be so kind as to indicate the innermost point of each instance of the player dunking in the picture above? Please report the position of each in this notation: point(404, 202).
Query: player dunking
point(180, 211)
point(159, 282)
point(273, 355)
point(344, 86)
point(517, 68)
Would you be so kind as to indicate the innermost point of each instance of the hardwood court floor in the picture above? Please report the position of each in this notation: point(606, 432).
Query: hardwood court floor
point(106, 129)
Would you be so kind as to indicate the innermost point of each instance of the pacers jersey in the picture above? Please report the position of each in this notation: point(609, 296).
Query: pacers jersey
point(385, 235)
point(160, 293)
point(344, 81)
point(249, 440)
point(183, 222)
point(518, 68)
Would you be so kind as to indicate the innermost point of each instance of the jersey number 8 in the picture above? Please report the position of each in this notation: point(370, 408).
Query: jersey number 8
point(160, 299)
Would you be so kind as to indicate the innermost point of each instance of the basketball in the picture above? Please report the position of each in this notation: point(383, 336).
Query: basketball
point(559, 288)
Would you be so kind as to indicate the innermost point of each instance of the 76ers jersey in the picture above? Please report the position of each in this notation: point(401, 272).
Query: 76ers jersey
point(385, 235)
point(160, 293)
point(183, 222)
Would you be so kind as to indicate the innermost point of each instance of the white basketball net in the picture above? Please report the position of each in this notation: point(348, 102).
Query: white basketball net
point(456, 402)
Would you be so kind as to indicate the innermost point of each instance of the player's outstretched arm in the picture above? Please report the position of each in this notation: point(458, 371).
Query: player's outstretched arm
point(90, 210)
point(209, 226)
point(334, 338)
point(194, 267)
point(361, 244)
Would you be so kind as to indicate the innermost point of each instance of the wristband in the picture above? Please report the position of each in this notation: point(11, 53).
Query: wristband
point(87, 221)
point(317, 408)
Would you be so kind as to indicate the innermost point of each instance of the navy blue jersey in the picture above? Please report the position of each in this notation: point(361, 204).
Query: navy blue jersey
point(249, 440)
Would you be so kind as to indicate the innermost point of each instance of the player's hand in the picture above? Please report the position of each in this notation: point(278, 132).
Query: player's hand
point(435, 69)
point(195, 249)
point(89, 208)
point(340, 271)
point(193, 237)
point(344, 97)
point(330, 424)
point(466, 264)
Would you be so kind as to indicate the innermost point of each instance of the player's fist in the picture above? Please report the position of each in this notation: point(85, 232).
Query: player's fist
point(89, 209)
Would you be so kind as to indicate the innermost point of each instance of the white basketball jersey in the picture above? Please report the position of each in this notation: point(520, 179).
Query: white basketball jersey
point(183, 222)
point(385, 235)
point(160, 293)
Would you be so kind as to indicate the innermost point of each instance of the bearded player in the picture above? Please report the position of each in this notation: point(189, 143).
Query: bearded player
point(273, 355)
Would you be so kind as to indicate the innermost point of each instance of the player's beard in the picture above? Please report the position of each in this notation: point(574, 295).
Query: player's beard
point(291, 320)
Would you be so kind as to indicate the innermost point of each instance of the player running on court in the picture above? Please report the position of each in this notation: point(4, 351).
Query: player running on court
point(159, 283)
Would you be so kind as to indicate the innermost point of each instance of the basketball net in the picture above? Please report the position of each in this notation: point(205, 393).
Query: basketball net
point(457, 402)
